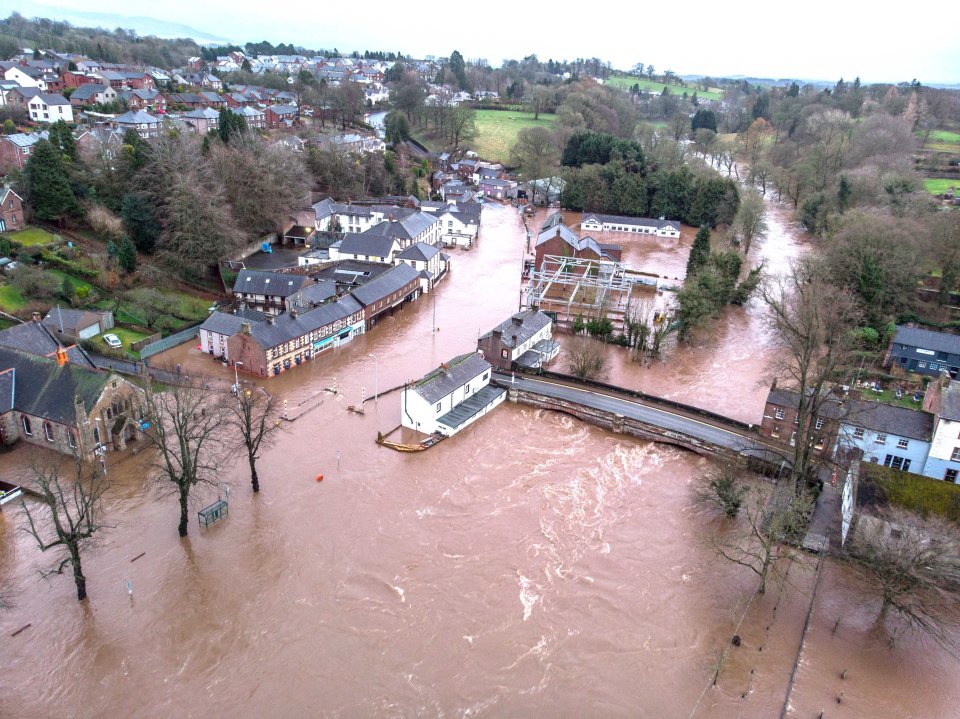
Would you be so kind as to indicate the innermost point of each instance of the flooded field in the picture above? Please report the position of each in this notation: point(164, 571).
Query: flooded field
point(530, 566)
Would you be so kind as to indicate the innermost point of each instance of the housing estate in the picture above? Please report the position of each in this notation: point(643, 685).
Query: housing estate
point(451, 397)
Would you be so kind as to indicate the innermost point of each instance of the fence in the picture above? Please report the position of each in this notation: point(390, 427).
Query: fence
point(167, 342)
point(140, 344)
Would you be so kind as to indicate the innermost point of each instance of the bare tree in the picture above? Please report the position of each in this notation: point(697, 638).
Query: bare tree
point(189, 424)
point(255, 419)
point(811, 320)
point(766, 532)
point(751, 220)
point(68, 516)
point(913, 566)
point(585, 358)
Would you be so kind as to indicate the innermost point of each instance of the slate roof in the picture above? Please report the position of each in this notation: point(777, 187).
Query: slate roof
point(419, 252)
point(927, 339)
point(624, 220)
point(286, 327)
point(458, 371)
point(365, 244)
point(274, 284)
point(950, 402)
point(522, 324)
point(87, 91)
point(43, 388)
point(889, 419)
point(393, 280)
point(138, 117)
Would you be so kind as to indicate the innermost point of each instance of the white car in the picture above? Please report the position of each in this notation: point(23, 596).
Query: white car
point(112, 341)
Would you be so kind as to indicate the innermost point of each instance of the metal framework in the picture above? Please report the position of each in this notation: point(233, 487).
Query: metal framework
point(572, 286)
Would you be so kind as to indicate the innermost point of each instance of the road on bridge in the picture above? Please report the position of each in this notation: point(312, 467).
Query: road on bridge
point(741, 441)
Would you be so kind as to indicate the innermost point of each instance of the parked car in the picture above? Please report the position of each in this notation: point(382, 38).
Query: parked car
point(112, 341)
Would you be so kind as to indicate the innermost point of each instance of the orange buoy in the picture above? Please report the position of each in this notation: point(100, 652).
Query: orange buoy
point(319, 477)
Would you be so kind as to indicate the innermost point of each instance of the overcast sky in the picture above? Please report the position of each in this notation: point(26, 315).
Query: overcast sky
point(817, 39)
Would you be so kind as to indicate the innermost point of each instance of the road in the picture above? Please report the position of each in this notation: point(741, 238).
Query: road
point(633, 408)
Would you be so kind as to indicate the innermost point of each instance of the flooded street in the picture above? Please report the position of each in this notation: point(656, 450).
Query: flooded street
point(531, 565)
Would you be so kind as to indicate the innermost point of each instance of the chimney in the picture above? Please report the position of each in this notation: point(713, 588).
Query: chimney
point(61, 356)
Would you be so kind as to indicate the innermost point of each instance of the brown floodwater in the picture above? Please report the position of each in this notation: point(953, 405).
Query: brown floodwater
point(531, 565)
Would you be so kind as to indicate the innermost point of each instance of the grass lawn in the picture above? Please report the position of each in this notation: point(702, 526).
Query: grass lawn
point(937, 186)
point(127, 336)
point(33, 236)
point(497, 131)
point(11, 299)
point(77, 283)
point(625, 82)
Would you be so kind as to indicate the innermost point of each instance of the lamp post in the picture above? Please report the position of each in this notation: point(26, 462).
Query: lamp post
point(376, 378)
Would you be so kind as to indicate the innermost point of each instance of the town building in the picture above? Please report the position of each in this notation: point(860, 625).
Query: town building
point(525, 341)
point(925, 352)
point(451, 397)
point(593, 222)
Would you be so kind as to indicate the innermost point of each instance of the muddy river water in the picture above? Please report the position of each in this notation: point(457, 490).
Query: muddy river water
point(530, 566)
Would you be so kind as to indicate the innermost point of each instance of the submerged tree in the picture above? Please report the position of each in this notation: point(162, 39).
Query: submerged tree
point(913, 566)
point(254, 417)
point(189, 425)
point(68, 515)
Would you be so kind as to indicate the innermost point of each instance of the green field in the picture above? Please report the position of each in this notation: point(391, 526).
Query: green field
point(937, 186)
point(33, 236)
point(497, 132)
point(625, 82)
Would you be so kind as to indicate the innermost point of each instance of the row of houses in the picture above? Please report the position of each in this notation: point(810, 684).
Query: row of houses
point(288, 319)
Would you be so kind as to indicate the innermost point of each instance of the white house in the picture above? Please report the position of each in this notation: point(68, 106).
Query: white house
point(50, 107)
point(450, 397)
point(593, 222)
point(426, 259)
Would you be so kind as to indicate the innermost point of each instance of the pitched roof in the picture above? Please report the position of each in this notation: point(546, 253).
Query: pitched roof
point(367, 245)
point(43, 388)
point(450, 376)
point(520, 327)
point(276, 284)
point(927, 339)
point(286, 327)
point(419, 252)
point(393, 280)
point(624, 220)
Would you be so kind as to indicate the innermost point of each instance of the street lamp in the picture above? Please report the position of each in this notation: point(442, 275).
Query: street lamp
point(376, 378)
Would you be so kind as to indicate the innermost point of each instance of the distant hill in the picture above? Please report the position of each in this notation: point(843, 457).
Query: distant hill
point(142, 24)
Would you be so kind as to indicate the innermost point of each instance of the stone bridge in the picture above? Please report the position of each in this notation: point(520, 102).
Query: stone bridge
point(644, 416)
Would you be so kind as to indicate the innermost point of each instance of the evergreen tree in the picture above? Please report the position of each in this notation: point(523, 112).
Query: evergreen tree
point(699, 252)
point(49, 193)
point(127, 255)
point(139, 217)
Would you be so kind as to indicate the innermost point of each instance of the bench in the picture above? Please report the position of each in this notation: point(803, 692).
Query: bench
point(216, 511)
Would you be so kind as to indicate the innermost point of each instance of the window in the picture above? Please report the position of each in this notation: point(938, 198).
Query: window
point(819, 424)
point(26, 425)
point(950, 476)
point(779, 414)
point(903, 443)
point(881, 439)
point(955, 457)
point(858, 433)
